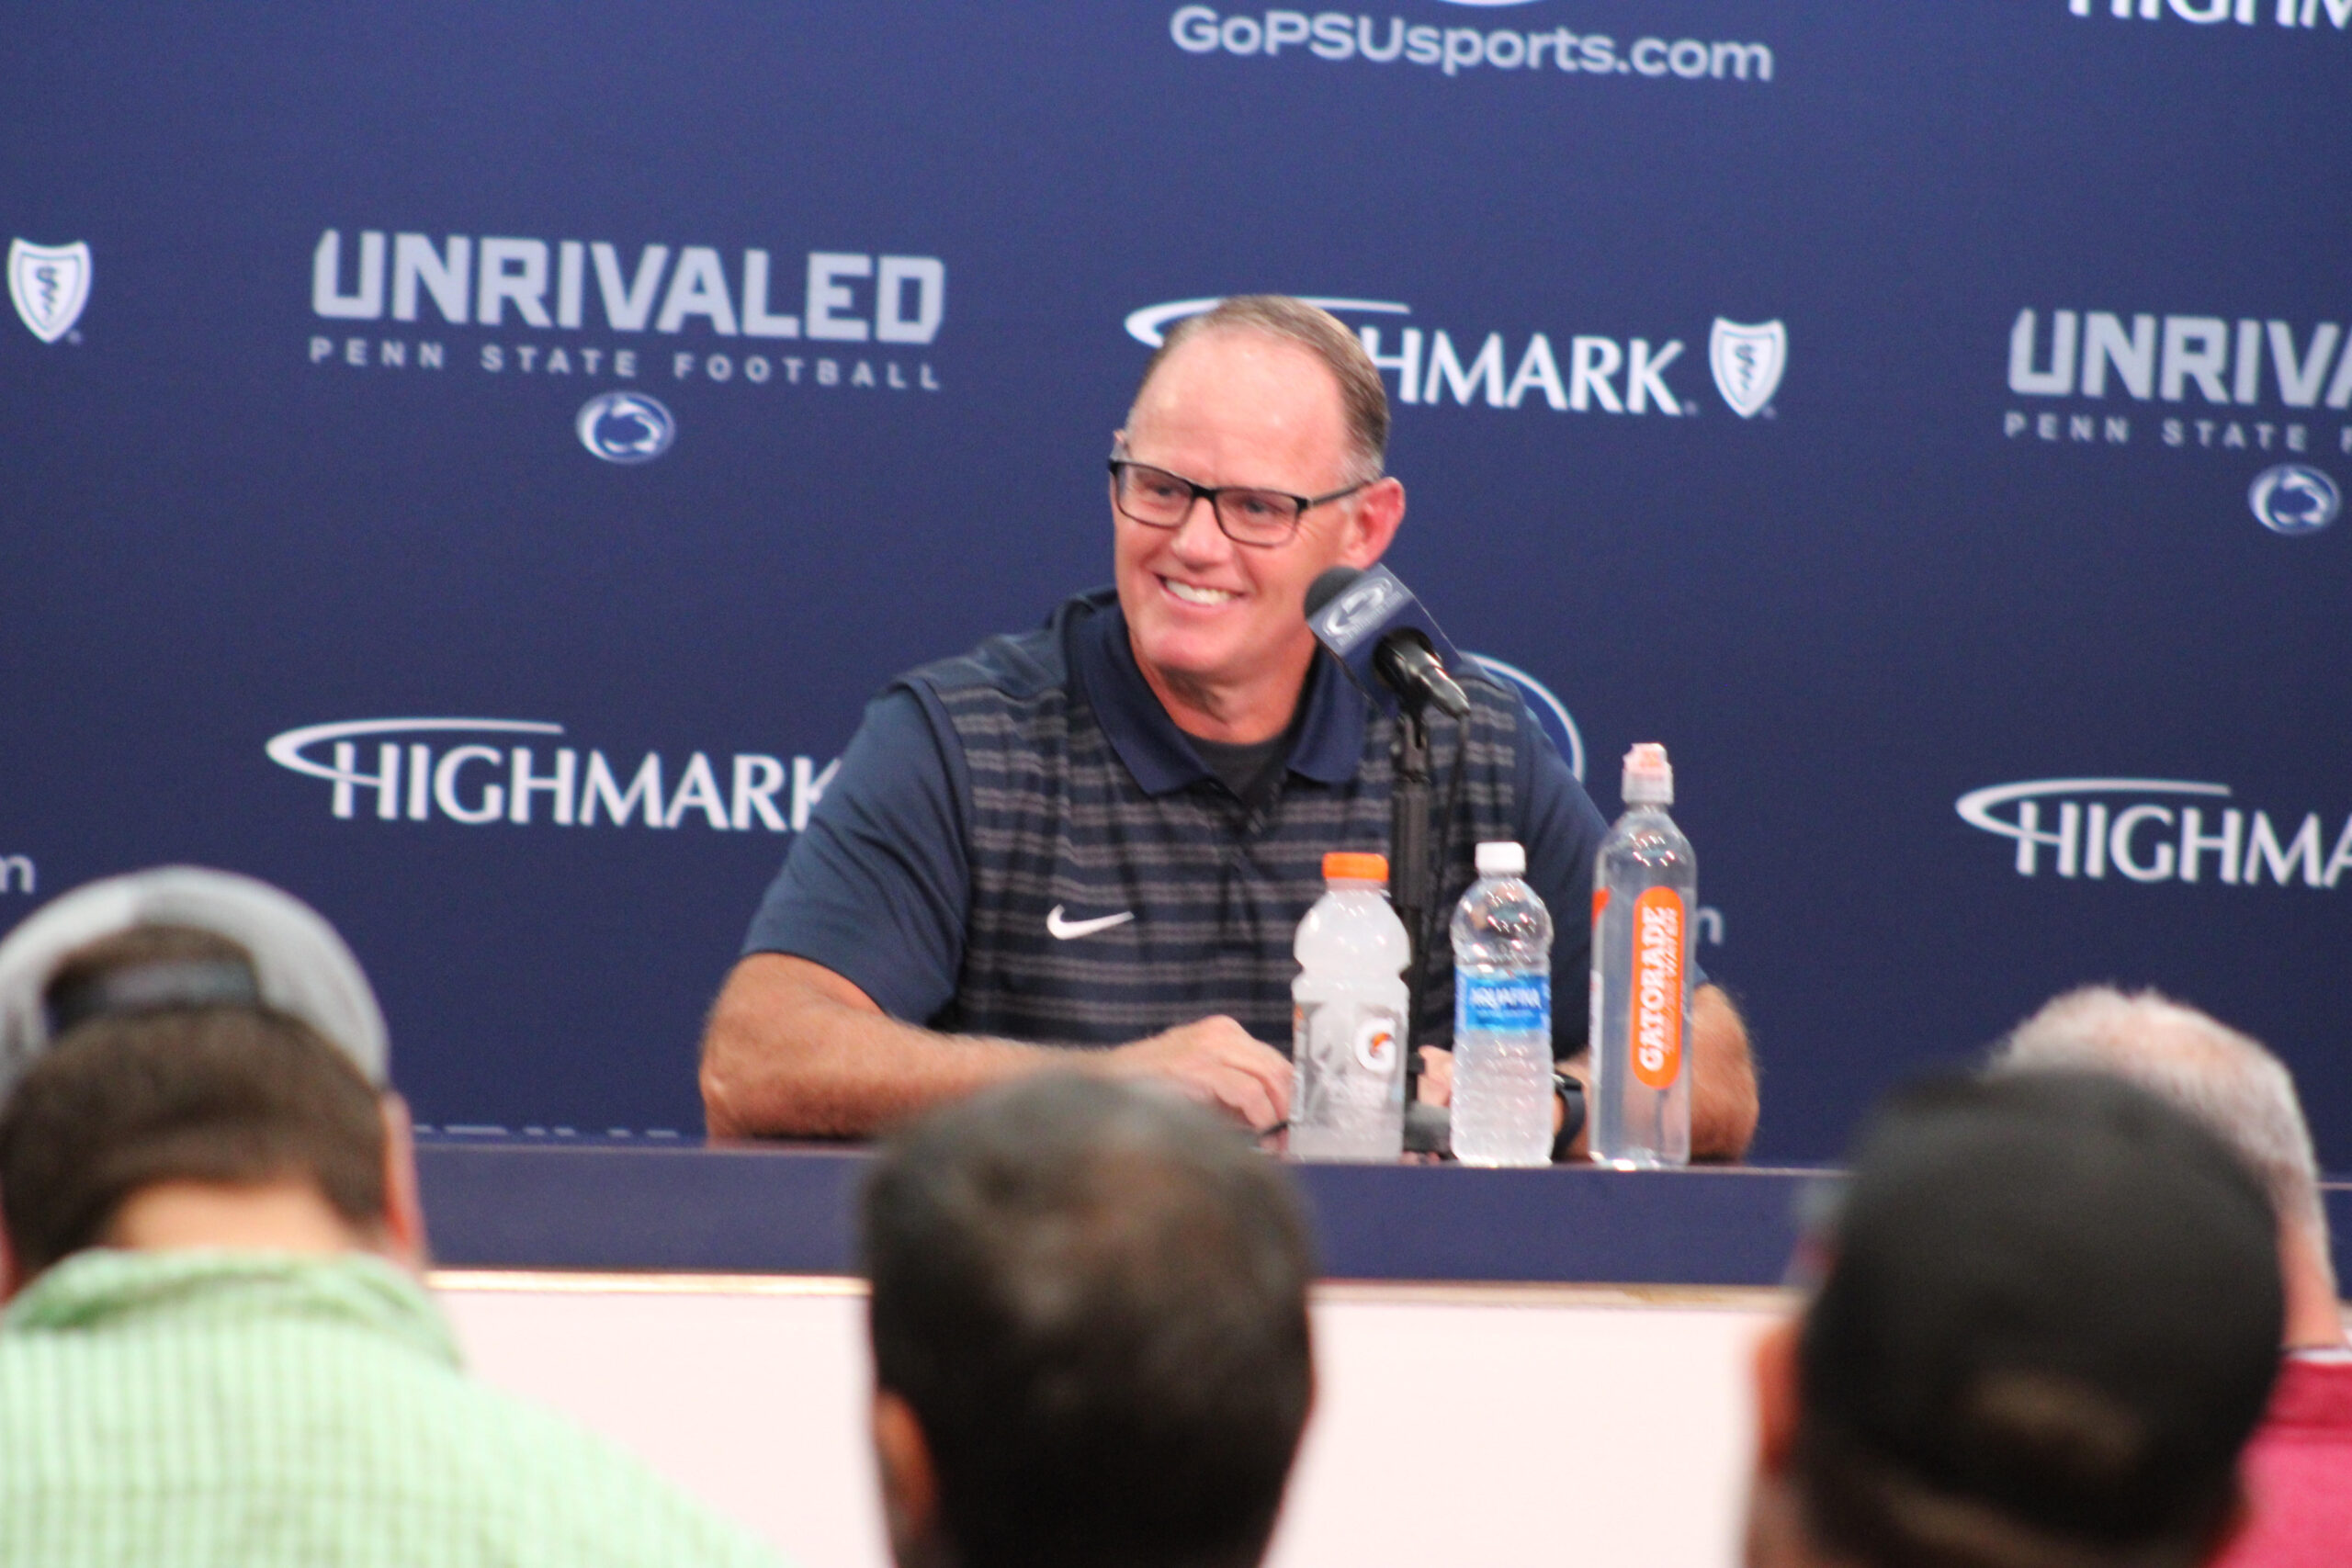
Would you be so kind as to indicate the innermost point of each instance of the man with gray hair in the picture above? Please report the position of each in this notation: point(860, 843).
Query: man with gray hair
point(1104, 833)
point(2300, 1465)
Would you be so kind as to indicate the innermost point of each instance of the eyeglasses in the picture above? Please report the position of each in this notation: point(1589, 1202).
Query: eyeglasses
point(1262, 518)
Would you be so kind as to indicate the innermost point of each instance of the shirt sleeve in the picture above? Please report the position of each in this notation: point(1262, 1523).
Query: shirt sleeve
point(877, 888)
point(1562, 831)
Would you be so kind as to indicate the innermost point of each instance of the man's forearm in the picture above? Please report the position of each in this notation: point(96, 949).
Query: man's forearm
point(793, 1051)
point(1724, 1106)
point(1723, 1080)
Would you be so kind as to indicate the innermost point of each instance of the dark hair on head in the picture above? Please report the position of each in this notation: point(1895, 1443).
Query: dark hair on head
point(1363, 401)
point(2051, 1322)
point(1094, 1299)
point(233, 1095)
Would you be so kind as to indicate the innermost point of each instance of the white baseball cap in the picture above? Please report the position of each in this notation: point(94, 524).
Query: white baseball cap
point(300, 965)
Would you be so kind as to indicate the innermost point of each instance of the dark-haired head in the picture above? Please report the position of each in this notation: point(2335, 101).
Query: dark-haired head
point(1090, 1330)
point(2050, 1322)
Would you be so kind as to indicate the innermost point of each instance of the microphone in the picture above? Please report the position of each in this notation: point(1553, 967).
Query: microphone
point(1372, 624)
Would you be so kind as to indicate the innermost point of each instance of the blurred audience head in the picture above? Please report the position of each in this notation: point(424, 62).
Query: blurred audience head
point(2048, 1321)
point(191, 1058)
point(2226, 1080)
point(1090, 1330)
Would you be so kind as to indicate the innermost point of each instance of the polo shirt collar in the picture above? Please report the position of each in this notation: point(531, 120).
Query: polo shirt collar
point(105, 1287)
point(1157, 753)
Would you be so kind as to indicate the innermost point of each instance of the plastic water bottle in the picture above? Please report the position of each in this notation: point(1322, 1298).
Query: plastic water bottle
point(1348, 1018)
point(1502, 1016)
point(1646, 887)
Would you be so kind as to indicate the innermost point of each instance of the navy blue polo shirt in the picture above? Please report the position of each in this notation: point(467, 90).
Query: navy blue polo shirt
point(989, 804)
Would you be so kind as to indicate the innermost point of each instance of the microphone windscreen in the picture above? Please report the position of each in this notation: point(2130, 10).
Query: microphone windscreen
point(1329, 586)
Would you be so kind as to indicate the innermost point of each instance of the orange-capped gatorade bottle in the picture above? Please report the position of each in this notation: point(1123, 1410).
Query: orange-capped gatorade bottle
point(1348, 1018)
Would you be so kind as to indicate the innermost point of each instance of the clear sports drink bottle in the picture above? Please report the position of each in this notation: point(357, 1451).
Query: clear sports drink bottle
point(1502, 1016)
point(1645, 888)
point(1348, 1018)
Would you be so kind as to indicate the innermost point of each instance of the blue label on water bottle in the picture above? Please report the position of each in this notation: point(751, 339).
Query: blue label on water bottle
point(1503, 1002)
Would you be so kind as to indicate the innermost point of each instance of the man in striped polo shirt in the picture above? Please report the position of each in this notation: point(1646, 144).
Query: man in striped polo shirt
point(1102, 833)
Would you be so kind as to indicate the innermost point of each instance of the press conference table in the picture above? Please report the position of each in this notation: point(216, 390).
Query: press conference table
point(787, 1209)
point(583, 1203)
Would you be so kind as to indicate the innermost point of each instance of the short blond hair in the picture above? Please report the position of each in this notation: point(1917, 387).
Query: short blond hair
point(1363, 401)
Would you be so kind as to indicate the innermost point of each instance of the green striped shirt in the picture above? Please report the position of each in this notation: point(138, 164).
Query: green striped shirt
point(251, 1409)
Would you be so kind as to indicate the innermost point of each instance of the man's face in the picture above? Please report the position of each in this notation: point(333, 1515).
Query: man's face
point(1239, 408)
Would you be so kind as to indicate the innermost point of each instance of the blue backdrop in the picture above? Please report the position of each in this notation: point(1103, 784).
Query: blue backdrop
point(1926, 420)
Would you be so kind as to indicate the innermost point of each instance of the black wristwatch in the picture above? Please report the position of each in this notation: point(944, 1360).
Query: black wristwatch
point(1570, 1092)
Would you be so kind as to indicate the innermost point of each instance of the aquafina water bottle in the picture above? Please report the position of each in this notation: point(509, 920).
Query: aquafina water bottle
point(1502, 1016)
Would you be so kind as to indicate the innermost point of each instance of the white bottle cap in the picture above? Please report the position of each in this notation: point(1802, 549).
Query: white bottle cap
point(1501, 858)
point(1649, 777)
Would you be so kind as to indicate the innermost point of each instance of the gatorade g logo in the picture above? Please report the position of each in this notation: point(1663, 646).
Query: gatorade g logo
point(1659, 927)
point(1376, 1043)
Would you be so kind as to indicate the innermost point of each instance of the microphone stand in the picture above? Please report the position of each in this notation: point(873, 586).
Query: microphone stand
point(1412, 874)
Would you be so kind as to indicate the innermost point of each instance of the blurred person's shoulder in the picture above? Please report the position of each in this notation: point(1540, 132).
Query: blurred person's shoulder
point(315, 1410)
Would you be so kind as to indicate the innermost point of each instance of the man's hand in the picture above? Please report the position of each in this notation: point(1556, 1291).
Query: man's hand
point(1217, 1063)
point(1437, 1076)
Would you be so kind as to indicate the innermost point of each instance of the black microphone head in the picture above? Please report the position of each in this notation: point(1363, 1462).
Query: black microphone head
point(1367, 620)
point(1329, 586)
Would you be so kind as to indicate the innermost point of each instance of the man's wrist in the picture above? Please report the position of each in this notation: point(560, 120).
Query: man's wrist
point(1569, 1091)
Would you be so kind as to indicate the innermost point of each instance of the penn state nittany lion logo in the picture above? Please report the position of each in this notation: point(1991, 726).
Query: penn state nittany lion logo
point(49, 284)
point(626, 427)
point(1748, 362)
point(2294, 497)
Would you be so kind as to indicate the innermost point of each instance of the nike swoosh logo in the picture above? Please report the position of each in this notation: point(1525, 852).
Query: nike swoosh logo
point(1064, 930)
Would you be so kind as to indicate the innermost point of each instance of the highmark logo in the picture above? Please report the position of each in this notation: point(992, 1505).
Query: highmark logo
point(2153, 830)
point(2248, 385)
point(534, 308)
point(474, 772)
point(1341, 36)
point(1602, 374)
point(2208, 13)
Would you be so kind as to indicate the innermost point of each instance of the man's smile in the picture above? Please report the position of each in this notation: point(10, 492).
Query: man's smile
point(1195, 593)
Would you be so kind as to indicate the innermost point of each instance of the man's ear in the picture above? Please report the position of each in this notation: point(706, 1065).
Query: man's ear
point(1779, 1405)
point(909, 1484)
point(1373, 522)
point(403, 1207)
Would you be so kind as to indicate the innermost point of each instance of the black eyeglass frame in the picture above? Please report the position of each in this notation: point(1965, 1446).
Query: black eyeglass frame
point(1211, 493)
